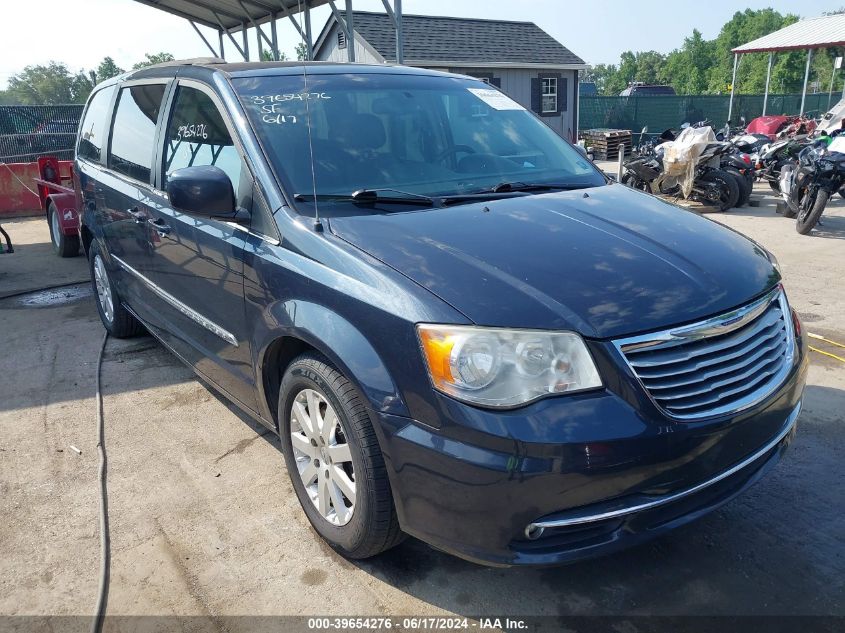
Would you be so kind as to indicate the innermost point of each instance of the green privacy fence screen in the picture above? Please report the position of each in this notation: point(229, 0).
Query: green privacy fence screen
point(660, 113)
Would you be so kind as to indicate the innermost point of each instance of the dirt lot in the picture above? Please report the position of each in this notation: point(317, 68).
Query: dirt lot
point(204, 521)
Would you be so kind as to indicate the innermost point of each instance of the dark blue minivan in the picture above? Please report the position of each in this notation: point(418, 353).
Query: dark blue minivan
point(459, 327)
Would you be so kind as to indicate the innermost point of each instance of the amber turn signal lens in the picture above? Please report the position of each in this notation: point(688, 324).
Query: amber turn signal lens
point(437, 347)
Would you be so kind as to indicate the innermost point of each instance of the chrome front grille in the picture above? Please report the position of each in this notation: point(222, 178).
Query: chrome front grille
point(718, 366)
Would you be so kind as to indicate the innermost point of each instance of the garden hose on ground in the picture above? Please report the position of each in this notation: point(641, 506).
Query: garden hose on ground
point(819, 337)
point(103, 590)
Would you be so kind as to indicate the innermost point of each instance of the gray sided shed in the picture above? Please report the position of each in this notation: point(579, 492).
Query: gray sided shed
point(518, 57)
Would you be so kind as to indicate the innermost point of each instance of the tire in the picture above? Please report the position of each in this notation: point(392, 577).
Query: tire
point(805, 223)
point(117, 320)
point(63, 245)
point(729, 188)
point(744, 187)
point(775, 184)
point(369, 525)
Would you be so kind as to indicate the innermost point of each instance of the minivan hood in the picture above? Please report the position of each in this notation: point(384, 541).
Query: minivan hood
point(605, 262)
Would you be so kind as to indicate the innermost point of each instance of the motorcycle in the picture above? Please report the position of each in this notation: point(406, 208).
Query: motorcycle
point(773, 156)
point(807, 186)
point(712, 186)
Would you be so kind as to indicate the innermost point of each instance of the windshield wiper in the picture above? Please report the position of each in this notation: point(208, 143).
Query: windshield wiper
point(504, 187)
point(369, 196)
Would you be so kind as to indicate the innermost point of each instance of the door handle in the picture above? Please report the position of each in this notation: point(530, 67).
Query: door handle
point(136, 214)
point(158, 224)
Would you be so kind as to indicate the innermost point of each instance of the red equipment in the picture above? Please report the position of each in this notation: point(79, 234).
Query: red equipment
point(776, 125)
point(55, 190)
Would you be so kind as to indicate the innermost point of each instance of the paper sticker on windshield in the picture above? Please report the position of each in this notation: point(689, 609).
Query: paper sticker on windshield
point(495, 99)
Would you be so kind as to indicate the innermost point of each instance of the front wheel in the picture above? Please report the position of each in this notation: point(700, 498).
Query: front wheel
point(807, 219)
point(334, 460)
point(743, 184)
point(63, 245)
point(727, 194)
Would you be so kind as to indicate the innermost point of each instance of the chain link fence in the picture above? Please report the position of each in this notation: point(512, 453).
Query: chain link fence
point(27, 132)
point(661, 113)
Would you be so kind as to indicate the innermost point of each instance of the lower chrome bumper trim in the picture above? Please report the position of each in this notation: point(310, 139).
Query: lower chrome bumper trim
point(533, 530)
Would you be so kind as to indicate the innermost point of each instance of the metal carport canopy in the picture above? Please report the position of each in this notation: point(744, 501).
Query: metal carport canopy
point(230, 16)
point(825, 31)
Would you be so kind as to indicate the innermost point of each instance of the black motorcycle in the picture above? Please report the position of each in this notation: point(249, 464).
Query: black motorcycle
point(808, 186)
point(712, 186)
point(773, 156)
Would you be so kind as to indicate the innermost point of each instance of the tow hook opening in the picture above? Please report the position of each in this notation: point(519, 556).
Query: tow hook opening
point(533, 531)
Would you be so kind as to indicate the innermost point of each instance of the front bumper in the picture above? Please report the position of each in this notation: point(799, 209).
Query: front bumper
point(572, 478)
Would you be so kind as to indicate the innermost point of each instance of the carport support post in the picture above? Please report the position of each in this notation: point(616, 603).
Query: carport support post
point(246, 42)
point(768, 79)
point(400, 36)
point(733, 88)
point(222, 49)
point(806, 78)
point(309, 40)
point(350, 32)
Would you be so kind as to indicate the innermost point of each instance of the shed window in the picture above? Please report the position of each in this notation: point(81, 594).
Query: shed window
point(341, 39)
point(549, 94)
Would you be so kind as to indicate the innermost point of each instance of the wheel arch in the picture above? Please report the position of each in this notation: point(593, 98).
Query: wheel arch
point(313, 327)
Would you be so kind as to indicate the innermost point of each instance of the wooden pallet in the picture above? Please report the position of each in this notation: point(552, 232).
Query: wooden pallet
point(605, 143)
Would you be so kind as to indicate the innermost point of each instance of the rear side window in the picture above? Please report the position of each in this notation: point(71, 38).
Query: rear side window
point(133, 131)
point(92, 132)
point(197, 135)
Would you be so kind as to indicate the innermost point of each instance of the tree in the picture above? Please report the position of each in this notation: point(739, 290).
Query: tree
point(687, 69)
point(301, 51)
point(601, 75)
point(107, 69)
point(153, 58)
point(48, 84)
point(267, 56)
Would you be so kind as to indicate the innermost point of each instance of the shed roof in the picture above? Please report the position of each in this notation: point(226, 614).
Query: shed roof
point(433, 40)
point(230, 14)
point(821, 32)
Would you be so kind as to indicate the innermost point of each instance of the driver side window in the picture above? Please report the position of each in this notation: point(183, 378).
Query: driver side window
point(197, 135)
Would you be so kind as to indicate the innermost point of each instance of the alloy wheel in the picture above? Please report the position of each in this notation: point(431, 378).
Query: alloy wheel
point(101, 281)
point(323, 456)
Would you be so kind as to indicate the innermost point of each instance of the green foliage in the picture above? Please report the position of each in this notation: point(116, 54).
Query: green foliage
point(52, 83)
point(107, 69)
point(301, 51)
point(702, 66)
point(153, 58)
point(267, 56)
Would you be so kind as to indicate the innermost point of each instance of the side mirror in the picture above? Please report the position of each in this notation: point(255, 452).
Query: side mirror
point(742, 121)
point(582, 150)
point(202, 190)
point(644, 130)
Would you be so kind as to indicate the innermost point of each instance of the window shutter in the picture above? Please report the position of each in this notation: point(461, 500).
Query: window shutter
point(536, 98)
point(562, 93)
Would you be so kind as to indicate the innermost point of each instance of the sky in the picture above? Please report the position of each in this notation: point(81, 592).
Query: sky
point(84, 31)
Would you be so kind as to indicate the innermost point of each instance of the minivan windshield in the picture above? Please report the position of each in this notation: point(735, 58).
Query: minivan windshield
point(417, 134)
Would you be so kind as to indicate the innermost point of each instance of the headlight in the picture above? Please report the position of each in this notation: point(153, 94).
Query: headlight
point(496, 367)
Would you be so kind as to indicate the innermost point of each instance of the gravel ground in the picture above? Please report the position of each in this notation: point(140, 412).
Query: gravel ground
point(204, 521)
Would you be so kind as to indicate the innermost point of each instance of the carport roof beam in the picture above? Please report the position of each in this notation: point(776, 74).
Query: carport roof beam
point(233, 16)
